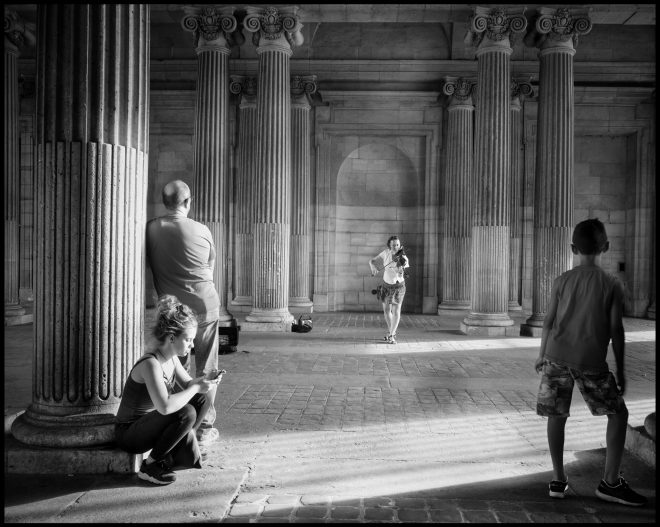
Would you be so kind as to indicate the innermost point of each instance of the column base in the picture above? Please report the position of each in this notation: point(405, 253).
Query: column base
point(242, 304)
point(17, 315)
point(64, 431)
point(533, 327)
point(301, 305)
point(224, 316)
point(26, 459)
point(268, 320)
point(453, 305)
point(487, 324)
point(514, 306)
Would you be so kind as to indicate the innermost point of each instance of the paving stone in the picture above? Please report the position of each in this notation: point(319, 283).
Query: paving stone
point(474, 516)
point(311, 512)
point(315, 499)
point(345, 513)
point(512, 517)
point(245, 509)
point(412, 515)
point(372, 513)
point(409, 503)
point(378, 502)
point(277, 511)
point(445, 516)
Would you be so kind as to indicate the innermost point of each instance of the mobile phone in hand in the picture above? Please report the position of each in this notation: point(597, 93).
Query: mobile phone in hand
point(214, 374)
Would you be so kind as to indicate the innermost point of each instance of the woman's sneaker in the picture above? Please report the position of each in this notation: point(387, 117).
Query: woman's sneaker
point(558, 488)
point(156, 472)
point(619, 493)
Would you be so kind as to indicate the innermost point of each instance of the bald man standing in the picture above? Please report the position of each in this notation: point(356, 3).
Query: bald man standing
point(181, 254)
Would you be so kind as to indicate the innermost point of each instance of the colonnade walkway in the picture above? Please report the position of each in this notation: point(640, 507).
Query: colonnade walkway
point(336, 425)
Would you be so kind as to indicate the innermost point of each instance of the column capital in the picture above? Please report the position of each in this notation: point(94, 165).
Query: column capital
point(520, 89)
point(494, 28)
point(274, 26)
point(212, 27)
point(302, 89)
point(18, 33)
point(243, 84)
point(558, 29)
point(459, 90)
point(246, 87)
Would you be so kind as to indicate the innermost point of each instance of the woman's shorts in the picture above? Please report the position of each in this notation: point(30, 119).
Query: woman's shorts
point(392, 293)
point(598, 389)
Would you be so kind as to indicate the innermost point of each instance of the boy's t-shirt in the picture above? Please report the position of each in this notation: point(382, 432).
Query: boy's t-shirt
point(580, 334)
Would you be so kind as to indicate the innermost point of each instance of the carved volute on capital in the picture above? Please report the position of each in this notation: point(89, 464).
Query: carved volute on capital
point(270, 24)
point(245, 87)
point(303, 87)
point(241, 84)
point(18, 33)
point(212, 26)
point(498, 26)
point(558, 28)
point(520, 89)
point(459, 90)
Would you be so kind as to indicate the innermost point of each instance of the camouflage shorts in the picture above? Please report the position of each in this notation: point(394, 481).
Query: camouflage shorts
point(598, 389)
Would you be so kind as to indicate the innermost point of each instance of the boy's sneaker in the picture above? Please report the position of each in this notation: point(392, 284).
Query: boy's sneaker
point(156, 472)
point(619, 493)
point(558, 488)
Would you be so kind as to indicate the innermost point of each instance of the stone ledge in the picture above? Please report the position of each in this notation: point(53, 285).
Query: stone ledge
point(640, 444)
point(19, 320)
point(249, 327)
point(27, 459)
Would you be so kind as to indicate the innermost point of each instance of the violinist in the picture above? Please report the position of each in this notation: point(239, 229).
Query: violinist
point(393, 261)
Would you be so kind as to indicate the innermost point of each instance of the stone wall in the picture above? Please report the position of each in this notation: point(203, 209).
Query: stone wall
point(614, 182)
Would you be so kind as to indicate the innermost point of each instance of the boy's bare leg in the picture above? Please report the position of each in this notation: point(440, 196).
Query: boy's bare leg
point(615, 442)
point(556, 426)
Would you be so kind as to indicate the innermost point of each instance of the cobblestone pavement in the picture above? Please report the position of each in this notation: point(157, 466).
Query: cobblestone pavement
point(337, 426)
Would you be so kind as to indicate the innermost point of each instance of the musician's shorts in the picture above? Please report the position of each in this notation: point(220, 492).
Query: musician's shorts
point(392, 293)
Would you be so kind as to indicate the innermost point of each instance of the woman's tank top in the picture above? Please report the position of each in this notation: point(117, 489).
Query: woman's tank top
point(136, 401)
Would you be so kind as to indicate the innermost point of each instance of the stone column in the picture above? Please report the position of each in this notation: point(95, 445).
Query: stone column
point(519, 89)
point(555, 33)
point(275, 32)
point(245, 183)
point(90, 213)
point(17, 34)
point(458, 227)
point(214, 31)
point(301, 193)
point(490, 31)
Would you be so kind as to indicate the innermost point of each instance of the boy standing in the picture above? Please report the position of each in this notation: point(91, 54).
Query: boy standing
point(585, 312)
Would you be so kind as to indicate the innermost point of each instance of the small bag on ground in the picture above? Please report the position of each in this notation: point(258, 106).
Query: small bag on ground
point(303, 325)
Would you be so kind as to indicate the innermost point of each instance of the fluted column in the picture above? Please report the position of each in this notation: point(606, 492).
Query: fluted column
point(301, 193)
point(490, 31)
point(17, 34)
point(519, 89)
point(275, 32)
point(90, 212)
point(458, 225)
point(214, 31)
point(555, 33)
point(245, 183)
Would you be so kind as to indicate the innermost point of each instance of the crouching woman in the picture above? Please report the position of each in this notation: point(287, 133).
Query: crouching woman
point(162, 406)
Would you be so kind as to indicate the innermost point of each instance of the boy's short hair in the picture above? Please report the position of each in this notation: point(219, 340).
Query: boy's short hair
point(589, 236)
